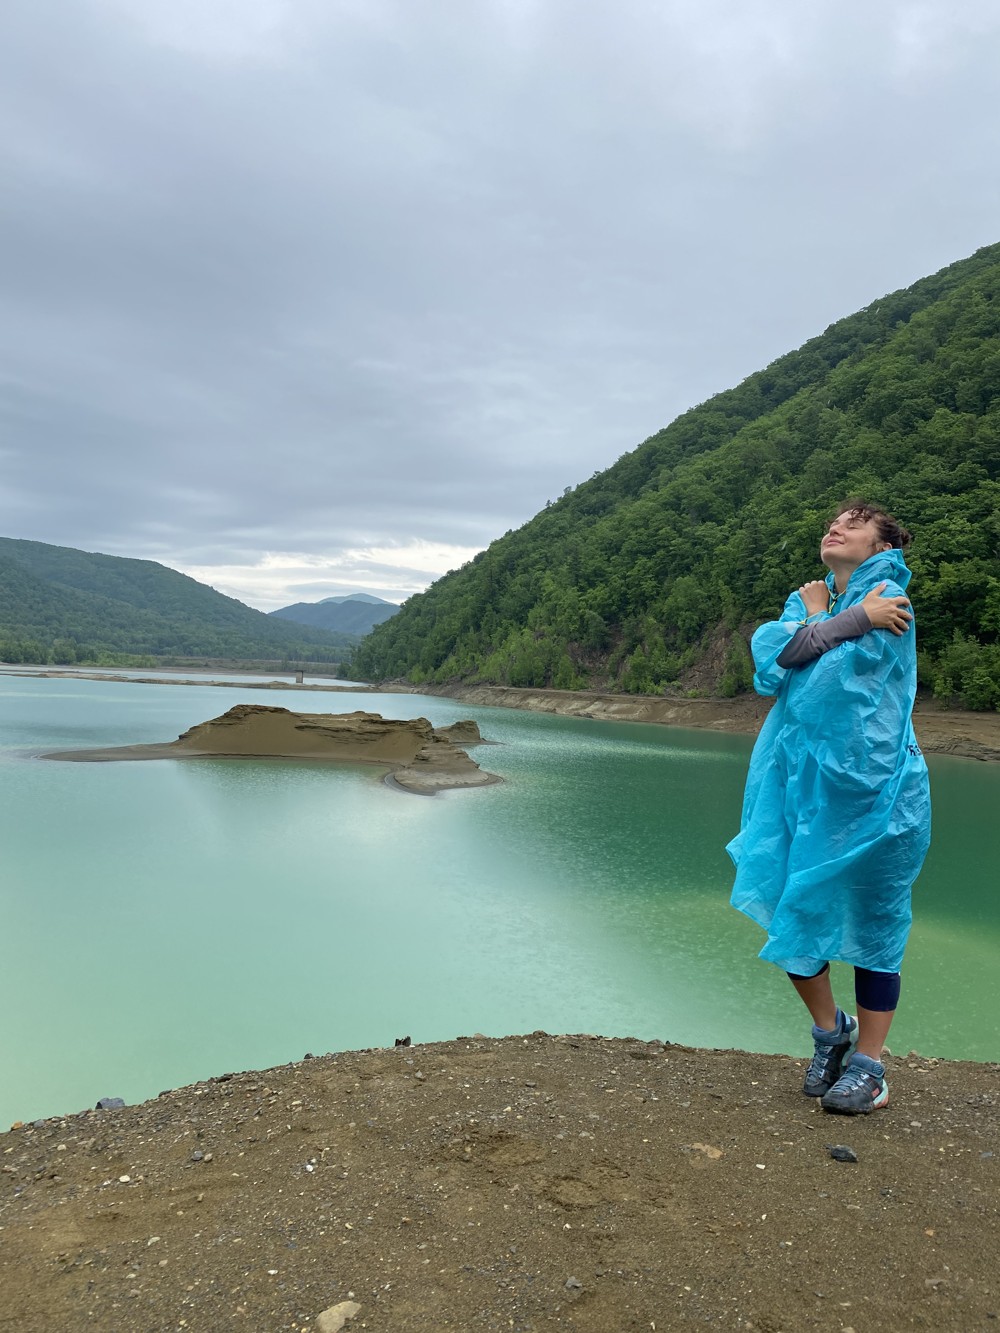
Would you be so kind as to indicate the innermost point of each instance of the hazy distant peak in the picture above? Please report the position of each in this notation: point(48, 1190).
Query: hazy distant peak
point(355, 613)
point(357, 597)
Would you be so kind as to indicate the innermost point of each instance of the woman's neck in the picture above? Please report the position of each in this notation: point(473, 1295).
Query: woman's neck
point(841, 575)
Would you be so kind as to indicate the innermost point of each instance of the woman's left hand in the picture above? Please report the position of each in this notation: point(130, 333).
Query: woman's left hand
point(816, 596)
point(891, 613)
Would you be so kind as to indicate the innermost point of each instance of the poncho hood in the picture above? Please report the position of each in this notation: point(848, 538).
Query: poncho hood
point(883, 567)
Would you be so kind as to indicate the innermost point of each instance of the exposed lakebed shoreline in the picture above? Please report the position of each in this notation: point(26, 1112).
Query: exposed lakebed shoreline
point(939, 730)
point(519, 1183)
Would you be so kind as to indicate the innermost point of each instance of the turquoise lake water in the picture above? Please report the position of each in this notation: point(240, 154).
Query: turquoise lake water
point(166, 921)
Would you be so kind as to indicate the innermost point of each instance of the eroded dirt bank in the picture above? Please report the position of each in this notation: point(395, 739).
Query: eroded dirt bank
point(939, 730)
point(523, 1183)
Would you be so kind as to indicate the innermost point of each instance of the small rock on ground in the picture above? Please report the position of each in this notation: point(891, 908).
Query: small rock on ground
point(334, 1319)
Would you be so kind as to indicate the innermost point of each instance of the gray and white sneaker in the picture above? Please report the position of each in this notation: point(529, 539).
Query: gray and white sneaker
point(861, 1088)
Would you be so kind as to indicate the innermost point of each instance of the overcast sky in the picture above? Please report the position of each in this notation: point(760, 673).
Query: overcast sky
point(307, 297)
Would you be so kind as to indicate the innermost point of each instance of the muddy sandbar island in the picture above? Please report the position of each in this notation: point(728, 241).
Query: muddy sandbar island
point(420, 758)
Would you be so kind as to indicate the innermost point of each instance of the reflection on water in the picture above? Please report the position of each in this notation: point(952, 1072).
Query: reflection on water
point(167, 921)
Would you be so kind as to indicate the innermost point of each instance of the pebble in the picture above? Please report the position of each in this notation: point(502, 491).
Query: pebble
point(841, 1153)
point(110, 1104)
point(573, 1284)
point(708, 1150)
point(333, 1319)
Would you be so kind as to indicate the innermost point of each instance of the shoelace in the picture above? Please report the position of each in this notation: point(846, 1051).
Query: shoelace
point(824, 1072)
point(826, 1051)
point(819, 1062)
point(857, 1078)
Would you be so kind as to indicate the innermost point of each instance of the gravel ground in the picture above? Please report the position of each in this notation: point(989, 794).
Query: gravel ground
point(525, 1183)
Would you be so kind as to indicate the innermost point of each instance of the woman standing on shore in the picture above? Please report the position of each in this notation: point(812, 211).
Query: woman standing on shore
point(836, 816)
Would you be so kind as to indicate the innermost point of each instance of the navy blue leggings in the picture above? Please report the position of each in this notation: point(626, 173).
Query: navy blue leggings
point(878, 991)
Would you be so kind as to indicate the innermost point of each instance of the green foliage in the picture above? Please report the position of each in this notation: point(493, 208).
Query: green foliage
point(967, 672)
point(62, 606)
point(706, 526)
point(737, 676)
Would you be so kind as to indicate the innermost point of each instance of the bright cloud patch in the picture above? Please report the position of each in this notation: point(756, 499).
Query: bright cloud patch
point(276, 580)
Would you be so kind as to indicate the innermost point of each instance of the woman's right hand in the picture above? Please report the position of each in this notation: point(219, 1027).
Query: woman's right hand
point(891, 613)
point(815, 596)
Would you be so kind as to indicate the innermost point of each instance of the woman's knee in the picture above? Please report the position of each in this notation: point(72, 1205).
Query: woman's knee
point(877, 991)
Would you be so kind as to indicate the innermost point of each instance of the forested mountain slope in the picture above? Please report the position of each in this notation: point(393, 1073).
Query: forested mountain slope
point(62, 605)
point(653, 572)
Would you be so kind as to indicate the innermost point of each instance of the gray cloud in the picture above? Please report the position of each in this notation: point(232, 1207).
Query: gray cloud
point(286, 284)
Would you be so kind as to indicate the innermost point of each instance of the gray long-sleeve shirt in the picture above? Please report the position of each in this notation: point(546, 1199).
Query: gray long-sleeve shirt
point(812, 641)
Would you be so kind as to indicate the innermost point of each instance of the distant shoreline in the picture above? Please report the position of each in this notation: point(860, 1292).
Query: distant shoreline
point(112, 674)
point(954, 732)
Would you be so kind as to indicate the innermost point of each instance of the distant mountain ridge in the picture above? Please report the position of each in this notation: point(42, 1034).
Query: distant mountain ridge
point(359, 597)
point(355, 613)
point(64, 605)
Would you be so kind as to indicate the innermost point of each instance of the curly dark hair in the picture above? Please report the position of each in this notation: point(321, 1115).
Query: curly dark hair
point(889, 529)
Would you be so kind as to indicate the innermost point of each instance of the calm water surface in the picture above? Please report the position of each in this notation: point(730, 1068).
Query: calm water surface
point(166, 921)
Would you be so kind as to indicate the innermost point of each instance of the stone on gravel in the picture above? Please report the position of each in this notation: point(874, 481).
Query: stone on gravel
point(708, 1150)
point(334, 1319)
point(841, 1153)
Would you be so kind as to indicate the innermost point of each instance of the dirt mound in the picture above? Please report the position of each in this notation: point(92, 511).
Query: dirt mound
point(523, 1183)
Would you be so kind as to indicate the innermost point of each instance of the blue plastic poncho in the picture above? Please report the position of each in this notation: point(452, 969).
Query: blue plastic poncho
point(836, 815)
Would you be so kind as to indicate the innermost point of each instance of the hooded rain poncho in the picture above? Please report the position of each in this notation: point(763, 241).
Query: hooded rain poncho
point(836, 816)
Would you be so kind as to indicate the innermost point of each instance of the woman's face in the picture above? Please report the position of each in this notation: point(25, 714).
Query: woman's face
point(848, 541)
